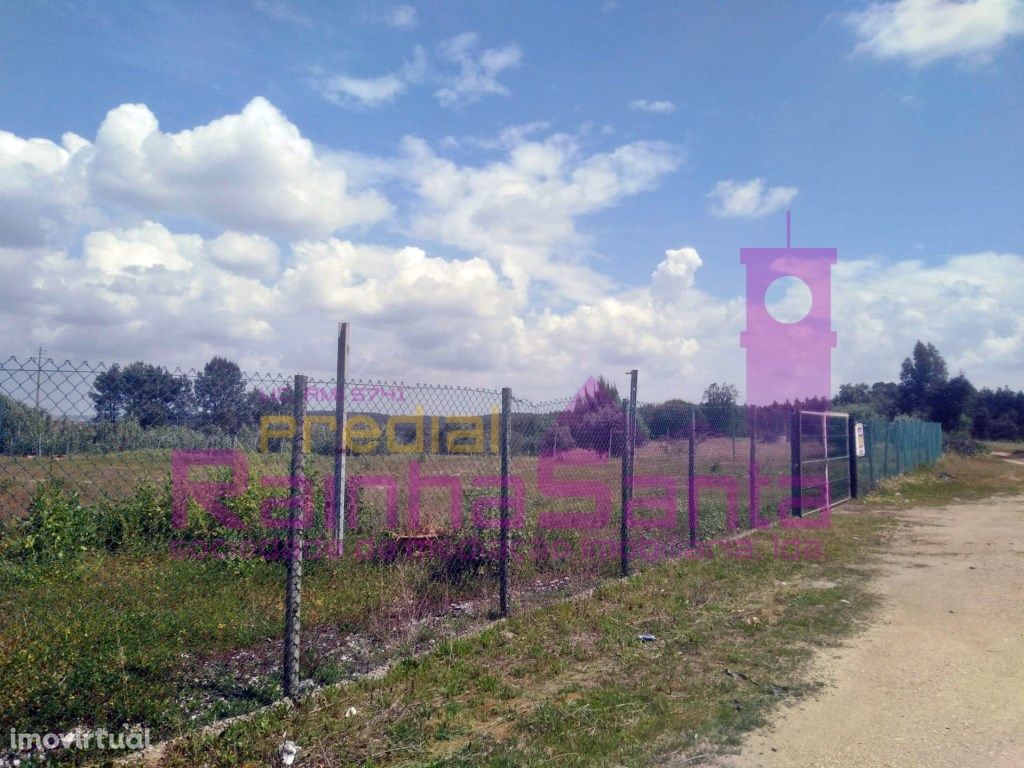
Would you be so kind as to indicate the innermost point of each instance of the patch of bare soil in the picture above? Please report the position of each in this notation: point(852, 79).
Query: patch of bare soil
point(938, 679)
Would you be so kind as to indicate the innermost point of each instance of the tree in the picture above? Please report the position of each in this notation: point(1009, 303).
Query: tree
point(107, 395)
point(921, 380)
point(879, 399)
point(885, 398)
point(950, 404)
point(668, 419)
point(998, 414)
point(595, 420)
point(720, 410)
point(148, 394)
point(221, 397)
point(852, 394)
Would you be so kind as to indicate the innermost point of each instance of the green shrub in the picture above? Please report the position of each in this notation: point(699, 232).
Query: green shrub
point(961, 442)
point(137, 523)
point(57, 527)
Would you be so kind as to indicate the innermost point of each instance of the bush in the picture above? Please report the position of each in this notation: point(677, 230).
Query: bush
point(961, 442)
point(57, 527)
point(136, 523)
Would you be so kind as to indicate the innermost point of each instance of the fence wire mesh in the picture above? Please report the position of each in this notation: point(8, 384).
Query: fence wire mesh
point(182, 484)
point(894, 447)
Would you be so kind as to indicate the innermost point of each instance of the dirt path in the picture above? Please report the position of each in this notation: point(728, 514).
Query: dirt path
point(938, 679)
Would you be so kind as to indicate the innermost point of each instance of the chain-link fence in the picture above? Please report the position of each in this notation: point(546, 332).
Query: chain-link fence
point(894, 447)
point(188, 515)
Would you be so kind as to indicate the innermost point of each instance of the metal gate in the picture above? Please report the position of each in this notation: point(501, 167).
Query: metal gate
point(821, 460)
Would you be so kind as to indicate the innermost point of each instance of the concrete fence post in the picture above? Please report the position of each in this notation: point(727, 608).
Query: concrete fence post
point(296, 519)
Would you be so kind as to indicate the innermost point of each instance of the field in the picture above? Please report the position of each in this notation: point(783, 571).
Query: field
point(126, 634)
point(572, 685)
point(1006, 446)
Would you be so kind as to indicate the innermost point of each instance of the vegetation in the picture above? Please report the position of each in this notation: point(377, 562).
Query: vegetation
point(573, 685)
point(925, 390)
point(595, 420)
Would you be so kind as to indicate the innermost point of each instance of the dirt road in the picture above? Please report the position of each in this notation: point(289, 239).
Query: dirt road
point(938, 679)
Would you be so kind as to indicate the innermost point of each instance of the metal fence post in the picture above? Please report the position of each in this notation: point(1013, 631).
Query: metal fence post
point(885, 453)
point(900, 446)
point(627, 475)
point(293, 585)
point(869, 449)
point(503, 591)
point(794, 465)
point(338, 512)
point(851, 451)
point(754, 494)
point(691, 480)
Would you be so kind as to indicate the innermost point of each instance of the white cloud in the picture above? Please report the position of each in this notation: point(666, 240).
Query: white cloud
point(522, 306)
point(367, 91)
point(509, 137)
point(923, 31)
point(281, 11)
point(250, 171)
point(402, 17)
point(969, 306)
point(748, 199)
point(137, 292)
point(465, 73)
point(478, 70)
point(662, 107)
point(676, 273)
point(520, 212)
point(346, 90)
point(43, 192)
point(251, 255)
point(176, 299)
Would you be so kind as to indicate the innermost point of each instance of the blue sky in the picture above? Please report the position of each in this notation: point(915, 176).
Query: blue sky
point(568, 153)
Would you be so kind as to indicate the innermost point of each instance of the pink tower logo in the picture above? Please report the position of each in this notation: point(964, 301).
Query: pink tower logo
point(788, 361)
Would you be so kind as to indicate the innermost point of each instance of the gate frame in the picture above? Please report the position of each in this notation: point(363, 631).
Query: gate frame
point(797, 461)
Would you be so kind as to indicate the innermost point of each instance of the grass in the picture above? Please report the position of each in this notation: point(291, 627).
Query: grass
point(137, 638)
point(954, 479)
point(1007, 446)
point(129, 636)
point(571, 685)
point(134, 636)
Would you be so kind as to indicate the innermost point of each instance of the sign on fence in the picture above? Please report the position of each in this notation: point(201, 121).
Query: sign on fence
point(858, 439)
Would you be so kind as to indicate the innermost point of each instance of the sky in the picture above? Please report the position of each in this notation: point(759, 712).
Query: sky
point(508, 193)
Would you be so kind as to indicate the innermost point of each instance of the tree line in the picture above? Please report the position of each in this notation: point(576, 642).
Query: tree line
point(926, 390)
point(151, 395)
point(141, 405)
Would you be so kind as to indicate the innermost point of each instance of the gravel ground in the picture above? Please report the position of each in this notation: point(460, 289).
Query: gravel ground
point(938, 678)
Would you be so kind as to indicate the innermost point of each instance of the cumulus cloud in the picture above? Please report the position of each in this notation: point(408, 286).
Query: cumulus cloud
point(478, 70)
point(43, 192)
point(662, 107)
point(251, 255)
point(178, 299)
point(748, 199)
point(520, 306)
point(676, 273)
point(968, 305)
point(249, 171)
point(402, 17)
point(520, 212)
point(924, 31)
